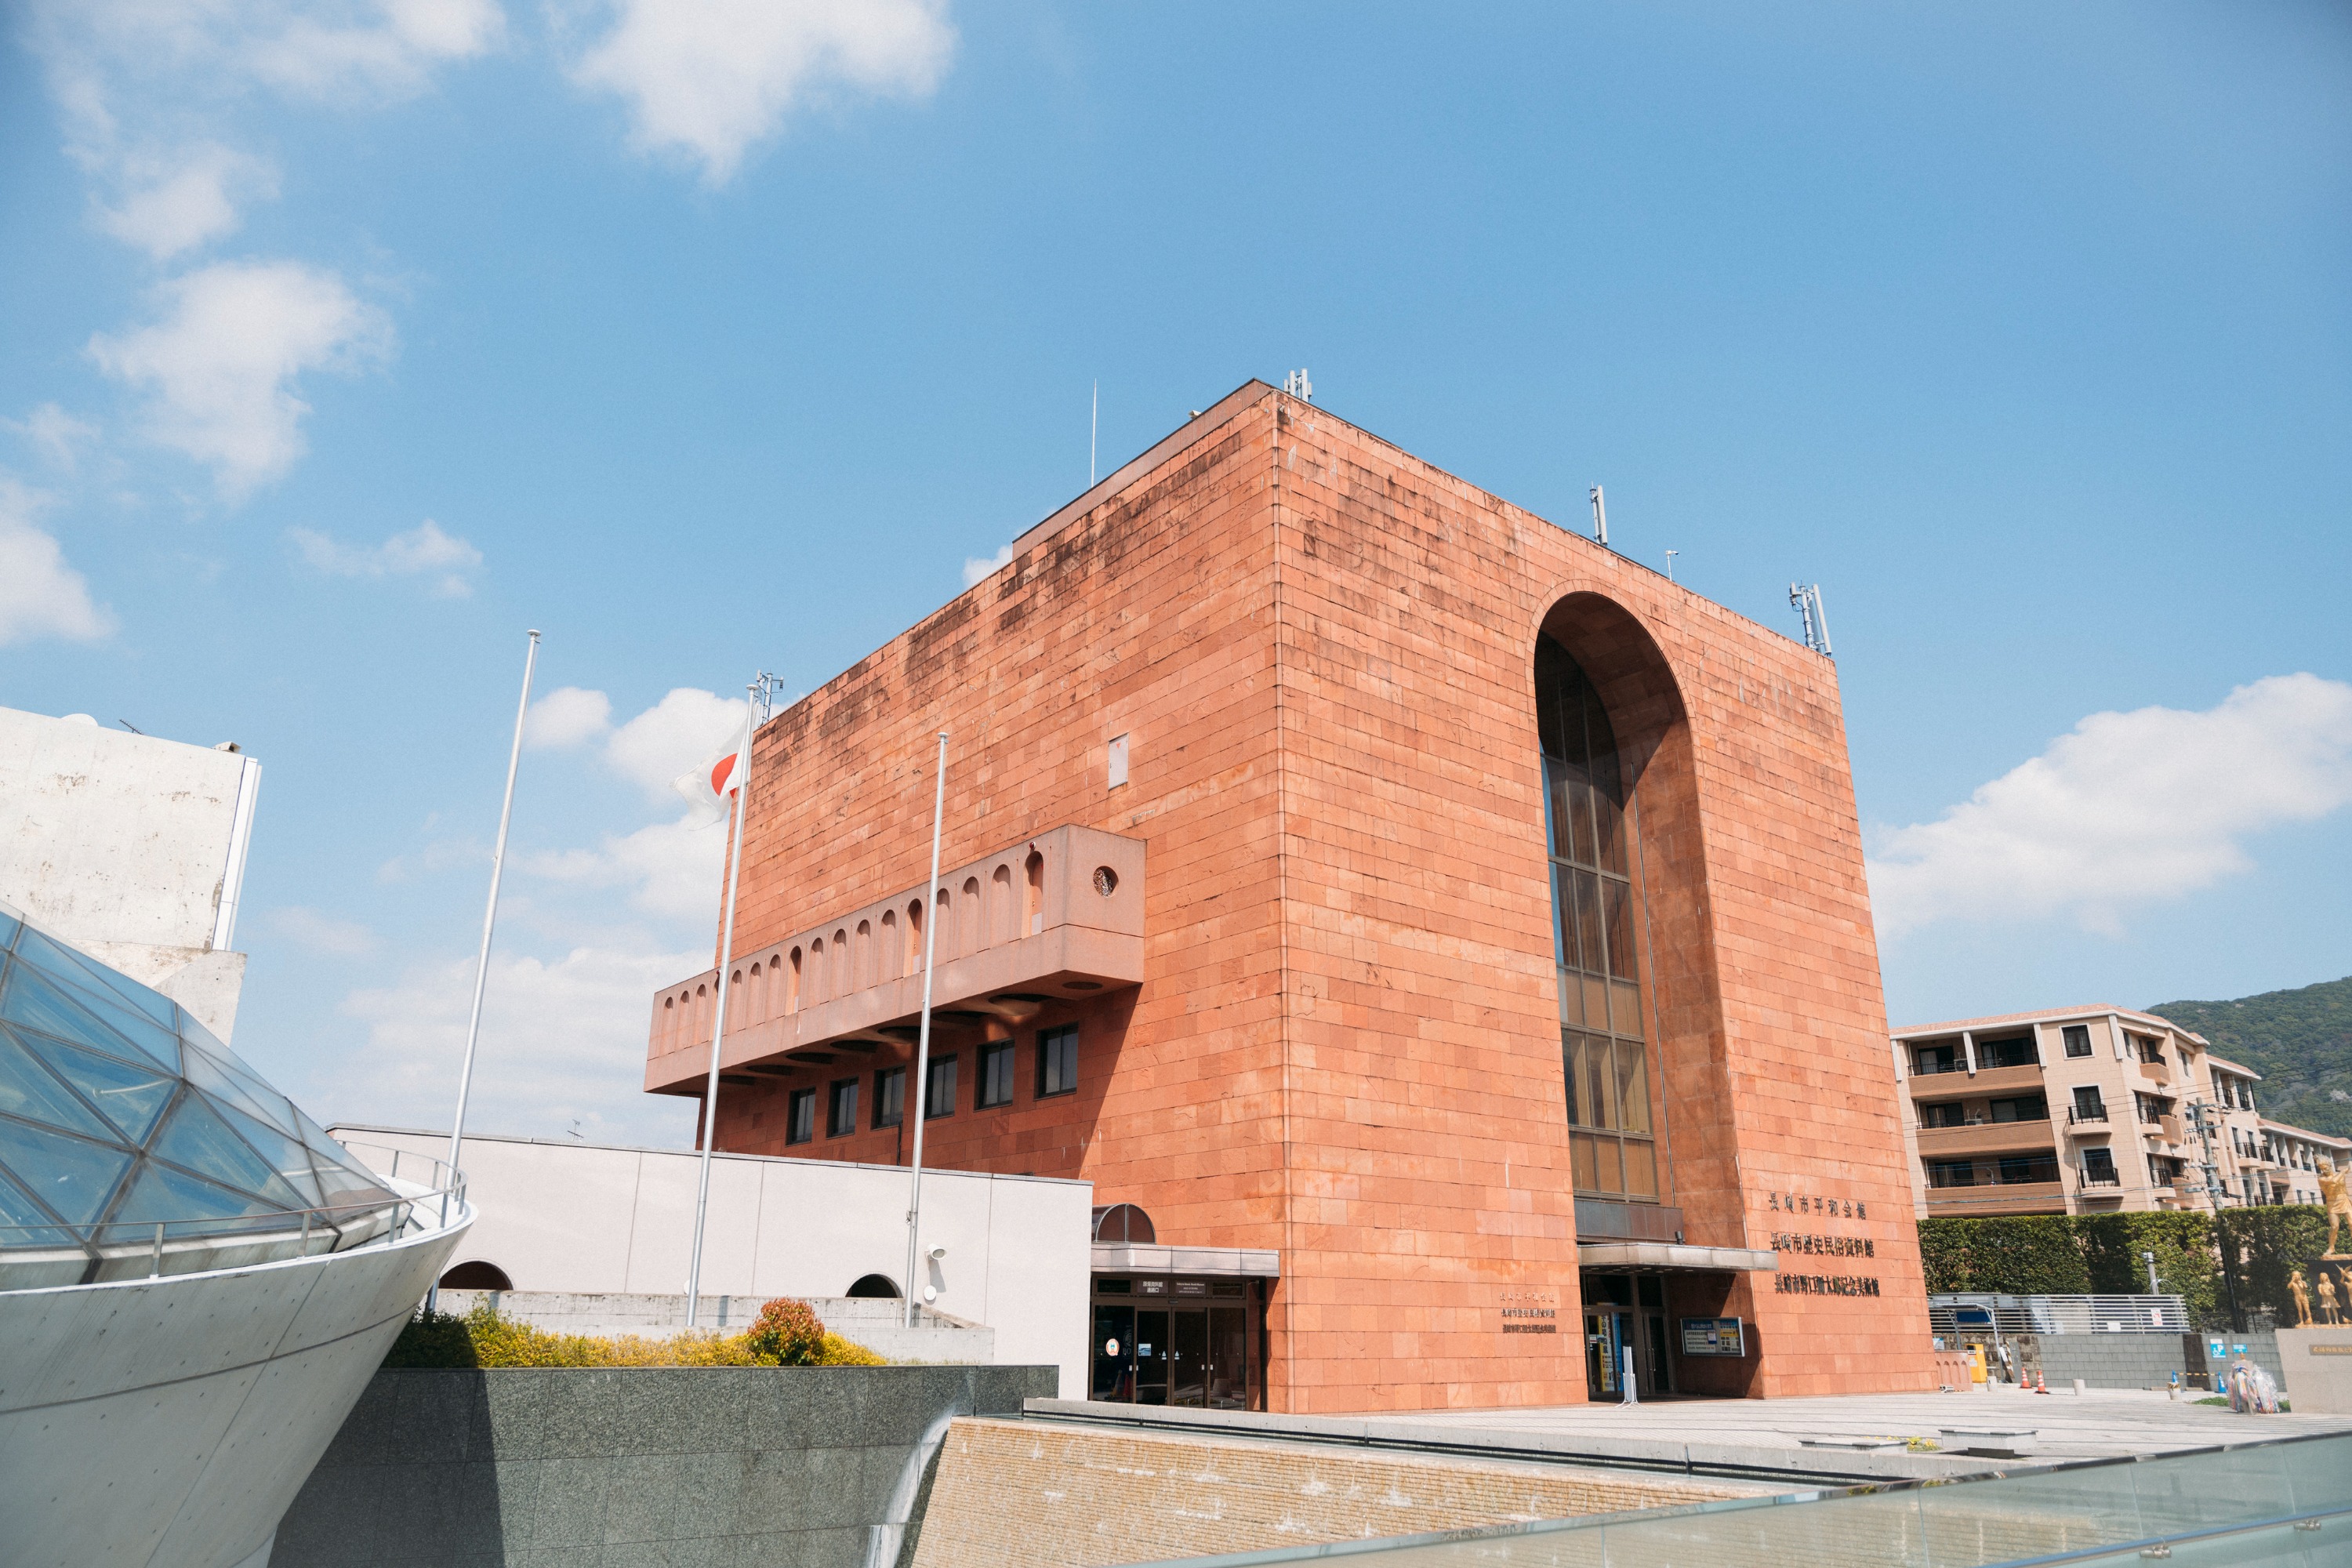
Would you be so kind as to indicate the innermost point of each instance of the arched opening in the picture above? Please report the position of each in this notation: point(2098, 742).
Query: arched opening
point(1641, 1022)
point(864, 975)
point(1001, 910)
point(874, 1287)
point(1033, 894)
point(477, 1276)
point(968, 934)
point(890, 949)
point(914, 938)
point(792, 983)
point(816, 976)
point(1124, 1225)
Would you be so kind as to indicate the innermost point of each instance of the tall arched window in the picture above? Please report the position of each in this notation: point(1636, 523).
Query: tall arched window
point(1595, 916)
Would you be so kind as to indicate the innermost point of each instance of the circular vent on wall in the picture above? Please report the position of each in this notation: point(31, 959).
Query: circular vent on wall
point(1106, 880)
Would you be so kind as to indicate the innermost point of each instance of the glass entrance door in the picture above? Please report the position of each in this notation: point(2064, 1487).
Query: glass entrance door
point(1151, 1356)
point(1228, 1359)
point(1113, 1377)
point(1188, 1369)
point(1604, 1346)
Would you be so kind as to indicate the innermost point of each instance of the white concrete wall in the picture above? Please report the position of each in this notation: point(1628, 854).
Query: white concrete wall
point(173, 1420)
point(132, 848)
point(593, 1219)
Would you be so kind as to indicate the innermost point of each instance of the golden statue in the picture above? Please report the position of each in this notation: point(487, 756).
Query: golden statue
point(2338, 1202)
point(2327, 1313)
point(2302, 1294)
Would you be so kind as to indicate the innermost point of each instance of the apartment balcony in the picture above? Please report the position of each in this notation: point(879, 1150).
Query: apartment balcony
point(2171, 1129)
point(2080, 1123)
point(2156, 1073)
point(1056, 917)
point(1985, 1138)
point(1997, 1198)
point(1988, 1081)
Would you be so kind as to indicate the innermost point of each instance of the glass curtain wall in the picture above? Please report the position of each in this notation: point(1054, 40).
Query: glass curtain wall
point(1596, 917)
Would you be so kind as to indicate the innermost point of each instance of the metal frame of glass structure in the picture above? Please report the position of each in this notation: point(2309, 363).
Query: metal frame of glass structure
point(133, 1143)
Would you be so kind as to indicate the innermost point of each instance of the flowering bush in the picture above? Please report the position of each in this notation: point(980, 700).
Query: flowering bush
point(787, 1332)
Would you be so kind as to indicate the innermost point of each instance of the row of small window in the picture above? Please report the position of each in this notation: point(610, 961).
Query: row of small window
point(1952, 1113)
point(2098, 1170)
point(2234, 1093)
point(1056, 1073)
point(1927, 1061)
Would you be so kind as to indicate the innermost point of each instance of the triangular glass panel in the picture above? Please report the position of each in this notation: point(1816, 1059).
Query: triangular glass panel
point(339, 1170)
point(72, 1175)
point(73, 964)
point(33, 999)
point(186, 1206)
point(285, 1156)
point(132, 1097)
point(28, 1090)
point(134, 1024)
point(9, 926)
point(23, 1224)
point(253, 1100)
point(197, 1138)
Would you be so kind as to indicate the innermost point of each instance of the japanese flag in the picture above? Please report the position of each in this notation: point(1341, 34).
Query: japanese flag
point(709, 789)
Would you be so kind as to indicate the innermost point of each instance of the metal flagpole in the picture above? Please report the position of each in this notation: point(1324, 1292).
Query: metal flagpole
point(742, 781)
point(489, 922)
point(923, 1036)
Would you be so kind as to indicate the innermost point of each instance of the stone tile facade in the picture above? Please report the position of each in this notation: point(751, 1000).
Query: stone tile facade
point(1317, 651)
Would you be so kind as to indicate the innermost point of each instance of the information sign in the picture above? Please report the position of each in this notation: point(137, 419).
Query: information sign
point(1713, 1336)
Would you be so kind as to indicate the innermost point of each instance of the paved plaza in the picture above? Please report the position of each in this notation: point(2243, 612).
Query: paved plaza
point(2100, 1423)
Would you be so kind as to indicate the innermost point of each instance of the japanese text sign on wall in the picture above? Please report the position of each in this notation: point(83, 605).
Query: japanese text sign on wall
point(1713, 1336)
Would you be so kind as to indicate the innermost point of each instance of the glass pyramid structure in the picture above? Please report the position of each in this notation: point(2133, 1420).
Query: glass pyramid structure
point(133, 1143)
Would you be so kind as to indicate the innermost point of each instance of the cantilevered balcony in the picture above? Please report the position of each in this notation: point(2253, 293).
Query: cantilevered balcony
point(1055, 918)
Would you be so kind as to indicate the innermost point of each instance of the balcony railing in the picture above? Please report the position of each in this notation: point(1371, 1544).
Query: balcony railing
point(2102, 1178)
point(1055, 918)
point(2078, 1116)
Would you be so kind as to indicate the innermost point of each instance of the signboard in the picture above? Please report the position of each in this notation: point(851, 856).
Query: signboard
point(1972, 1317)
point(1713, 1336)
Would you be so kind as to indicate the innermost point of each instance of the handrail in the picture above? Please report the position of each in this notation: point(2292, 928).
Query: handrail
point(126, 1237)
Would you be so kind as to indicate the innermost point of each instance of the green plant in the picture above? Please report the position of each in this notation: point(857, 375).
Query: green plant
point(787, 1332)
point(432, 1339)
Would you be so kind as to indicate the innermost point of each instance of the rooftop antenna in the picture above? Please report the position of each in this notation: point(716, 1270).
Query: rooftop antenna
point(1670, 564)
point(1094, 430)
point(1600, 516)
point(1807, 598)
point(1297, 385)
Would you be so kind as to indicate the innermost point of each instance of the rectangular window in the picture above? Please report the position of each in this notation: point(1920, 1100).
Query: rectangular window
point(2088, 1105)
point(995, 1075)
point(2016, 1053)
point(938, 1094)
point(1943, 1113)
point(1929, 1060)
point(841, 1110)
point(2028, 1168)
point(889, 1096)
point(1057, 1061)
point(2078, 1039)
point(1951, 1173)
point(799, 1116)
point(2149, 1050)
point(2099, 1168)
point(2024, 1108)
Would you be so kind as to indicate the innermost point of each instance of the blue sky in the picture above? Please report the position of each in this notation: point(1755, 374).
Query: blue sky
point(344, 341)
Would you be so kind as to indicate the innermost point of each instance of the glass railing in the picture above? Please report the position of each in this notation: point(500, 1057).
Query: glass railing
point(2285, 1502)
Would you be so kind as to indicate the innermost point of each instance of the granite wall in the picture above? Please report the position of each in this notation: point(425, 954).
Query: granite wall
point(790, 1467)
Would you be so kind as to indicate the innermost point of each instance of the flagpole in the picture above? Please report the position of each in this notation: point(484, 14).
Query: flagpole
point(921, 1098)
point(482, 963)
point(742, 781)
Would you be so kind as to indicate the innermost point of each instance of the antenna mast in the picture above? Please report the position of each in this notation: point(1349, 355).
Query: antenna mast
point(1807, 598)
point(1600, 516)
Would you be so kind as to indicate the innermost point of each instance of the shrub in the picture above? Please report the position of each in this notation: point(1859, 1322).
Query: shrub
point(483, 1338)
point(787, 1332)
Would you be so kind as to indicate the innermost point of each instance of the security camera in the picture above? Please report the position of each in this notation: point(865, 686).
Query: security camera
point(938, 1253)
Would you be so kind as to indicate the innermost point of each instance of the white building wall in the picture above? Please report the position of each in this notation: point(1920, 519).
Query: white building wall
point(595, 1219)
point(132, 848)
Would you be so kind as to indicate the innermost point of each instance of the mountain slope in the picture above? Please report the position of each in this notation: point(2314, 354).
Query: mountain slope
point(2300, 1041)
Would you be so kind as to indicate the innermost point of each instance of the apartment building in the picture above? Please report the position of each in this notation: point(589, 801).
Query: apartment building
point(2089, 1110)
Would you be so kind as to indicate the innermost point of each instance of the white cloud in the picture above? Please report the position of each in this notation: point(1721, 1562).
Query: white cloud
point(422, 550)
point(2128, 809)
point(671, 868)
point(560, 1039)
point(388, 49)
point(220, 364)
point(568, 716)
point(708, 78)
point(665, 739)
point(182, 199)
point(315, 931)
point(978, 569)
point(58, 435)
point(40, 596)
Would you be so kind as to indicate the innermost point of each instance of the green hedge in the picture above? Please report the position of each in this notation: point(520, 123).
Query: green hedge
point(2055, 1255)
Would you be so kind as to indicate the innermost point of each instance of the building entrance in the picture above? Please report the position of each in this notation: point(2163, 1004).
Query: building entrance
point(1199, 1349)
point(1622, 1312)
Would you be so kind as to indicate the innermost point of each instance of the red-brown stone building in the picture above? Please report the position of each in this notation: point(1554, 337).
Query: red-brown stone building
point(1450, 934)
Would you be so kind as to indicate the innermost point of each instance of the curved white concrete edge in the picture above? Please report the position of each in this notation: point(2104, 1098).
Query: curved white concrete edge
point(170, 1422)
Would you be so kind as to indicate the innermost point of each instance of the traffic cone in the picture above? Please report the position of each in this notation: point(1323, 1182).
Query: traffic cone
point(2042, 1383)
